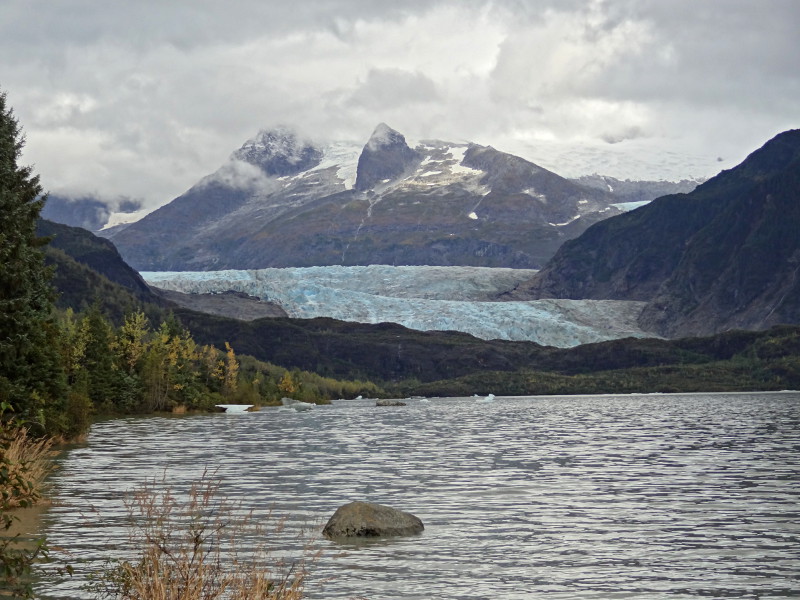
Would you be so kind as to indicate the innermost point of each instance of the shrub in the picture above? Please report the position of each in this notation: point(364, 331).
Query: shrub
point(198, 549)
point(24, 464)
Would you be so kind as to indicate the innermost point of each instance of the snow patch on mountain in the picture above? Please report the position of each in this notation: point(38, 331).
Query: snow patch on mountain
point(422, 298)
point(442, 167)
point(457, 168)
point(565, 223)
point(342, 156)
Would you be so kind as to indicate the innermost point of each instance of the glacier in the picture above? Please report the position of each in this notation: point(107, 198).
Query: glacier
point(422, 298)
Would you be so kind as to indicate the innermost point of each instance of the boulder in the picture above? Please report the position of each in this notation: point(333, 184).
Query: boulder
point(367, 519)
point(389, 403)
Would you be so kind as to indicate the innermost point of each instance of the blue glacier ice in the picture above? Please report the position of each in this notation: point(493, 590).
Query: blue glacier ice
point(422, 298)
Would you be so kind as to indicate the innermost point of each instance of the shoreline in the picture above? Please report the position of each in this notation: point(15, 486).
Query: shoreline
point(28, 525)
point(28, 521)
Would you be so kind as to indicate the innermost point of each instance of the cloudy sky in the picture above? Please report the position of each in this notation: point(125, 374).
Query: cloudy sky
point(142, 98)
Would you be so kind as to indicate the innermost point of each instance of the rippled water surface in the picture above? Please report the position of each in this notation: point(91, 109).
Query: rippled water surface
point(653, 496)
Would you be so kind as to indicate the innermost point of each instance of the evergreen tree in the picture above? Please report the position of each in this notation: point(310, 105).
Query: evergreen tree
point(30, 374)
point(103, 377)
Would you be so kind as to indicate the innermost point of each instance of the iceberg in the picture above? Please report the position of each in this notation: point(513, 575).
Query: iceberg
point(234, 409)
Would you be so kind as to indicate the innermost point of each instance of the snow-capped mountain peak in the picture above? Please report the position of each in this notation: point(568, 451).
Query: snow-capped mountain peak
point(279, 152)
point(282, 200)
point(385, 157)
point(383, 136)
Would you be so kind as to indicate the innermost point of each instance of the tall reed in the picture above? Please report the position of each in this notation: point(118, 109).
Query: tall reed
point(201, 548)
point(24, 464)
point(27, 462)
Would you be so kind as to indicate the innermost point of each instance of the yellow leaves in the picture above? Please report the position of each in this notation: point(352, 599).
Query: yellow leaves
point(209, 357)
point(288, 385)
point(130, 344)
point(231, 369)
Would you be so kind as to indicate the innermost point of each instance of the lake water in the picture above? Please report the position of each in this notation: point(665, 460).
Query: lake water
point(643, 496)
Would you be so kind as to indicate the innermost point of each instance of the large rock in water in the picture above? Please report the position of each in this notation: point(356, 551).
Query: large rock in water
point(367, 519)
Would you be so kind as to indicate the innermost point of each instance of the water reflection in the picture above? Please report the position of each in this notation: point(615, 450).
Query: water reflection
point(563, 497)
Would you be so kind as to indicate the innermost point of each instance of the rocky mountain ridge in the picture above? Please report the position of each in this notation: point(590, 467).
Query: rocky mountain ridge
point(283, 201)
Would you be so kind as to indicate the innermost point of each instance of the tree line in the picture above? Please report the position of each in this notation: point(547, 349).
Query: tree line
point(138, 368)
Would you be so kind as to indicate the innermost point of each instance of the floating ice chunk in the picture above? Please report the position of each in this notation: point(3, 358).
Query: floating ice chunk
point(234, 409)
point(297, 405)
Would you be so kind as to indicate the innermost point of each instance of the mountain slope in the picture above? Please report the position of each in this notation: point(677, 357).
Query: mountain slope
point(282, 201)
point(88, 270)
point(723, 256)
point(96, 253)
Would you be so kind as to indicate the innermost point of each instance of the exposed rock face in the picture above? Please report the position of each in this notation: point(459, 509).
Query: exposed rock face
point(279, 152)
point(385, 157)
point(367, 519)
point(226, 304)
point(725, 256)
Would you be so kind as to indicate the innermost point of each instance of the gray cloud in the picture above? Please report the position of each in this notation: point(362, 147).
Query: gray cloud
point(143, 99)
point(388, 88)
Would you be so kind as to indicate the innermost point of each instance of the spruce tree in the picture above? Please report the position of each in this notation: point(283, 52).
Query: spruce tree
point(30, 375)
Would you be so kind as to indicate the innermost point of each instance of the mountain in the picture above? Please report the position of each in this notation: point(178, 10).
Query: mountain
point(95, 252)
point(88, 270)
point(284, 201)
point(632, 194)
point(725, 256)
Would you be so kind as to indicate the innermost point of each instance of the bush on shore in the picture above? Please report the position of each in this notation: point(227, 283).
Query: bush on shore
point(24, 464)
point(193, 549)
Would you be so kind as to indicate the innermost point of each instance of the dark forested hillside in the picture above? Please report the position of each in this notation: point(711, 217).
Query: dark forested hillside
point(724, 256)
point(88, 270)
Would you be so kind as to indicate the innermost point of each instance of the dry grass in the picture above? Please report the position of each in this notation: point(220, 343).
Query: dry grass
point(24, 464)
point(28, 461)
point(199, 549)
